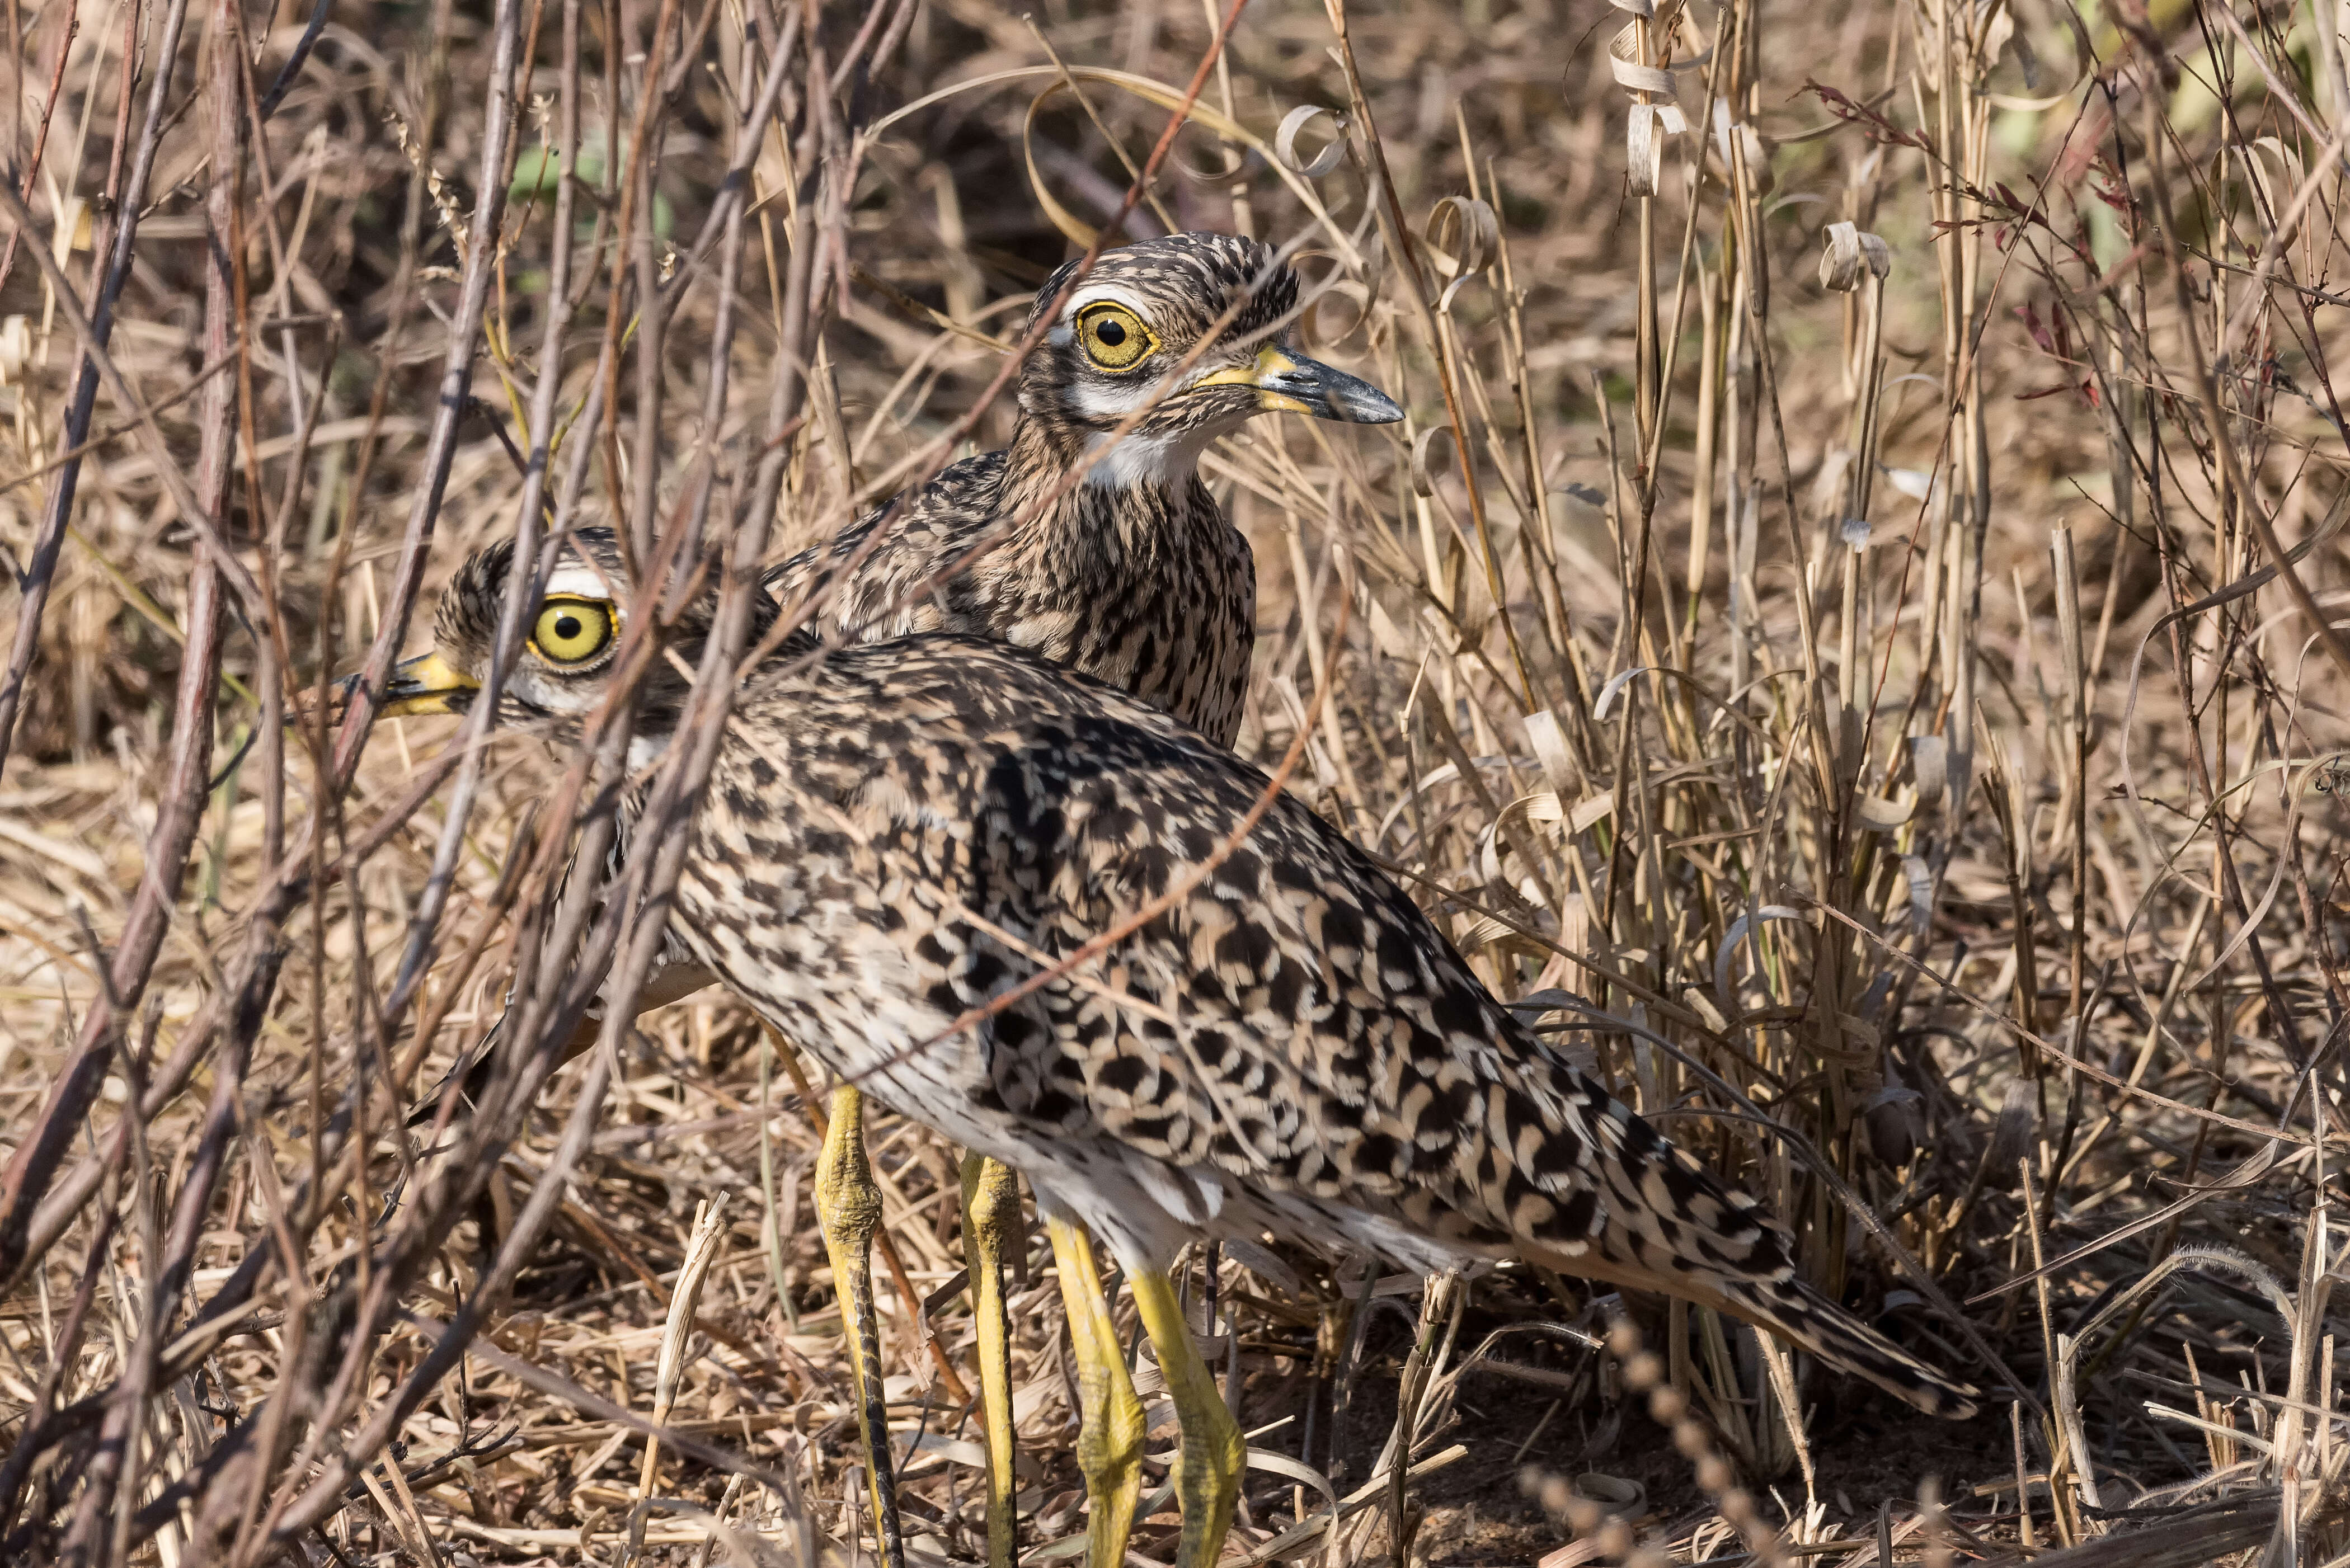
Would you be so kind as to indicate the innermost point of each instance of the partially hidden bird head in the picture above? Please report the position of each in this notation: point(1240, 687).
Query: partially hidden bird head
point(1121, 334)
point(573, 637)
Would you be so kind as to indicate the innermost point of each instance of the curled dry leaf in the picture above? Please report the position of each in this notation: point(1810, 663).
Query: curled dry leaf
point(1851, 252)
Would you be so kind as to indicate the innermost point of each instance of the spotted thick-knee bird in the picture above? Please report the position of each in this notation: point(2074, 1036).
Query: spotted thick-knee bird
point(1091, 540)
point(1030, 911)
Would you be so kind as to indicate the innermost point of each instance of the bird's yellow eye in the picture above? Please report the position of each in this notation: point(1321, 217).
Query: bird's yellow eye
point(572, 632)
point(1113, 338)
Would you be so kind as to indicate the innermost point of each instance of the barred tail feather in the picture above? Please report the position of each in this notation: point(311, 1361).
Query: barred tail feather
point(1595, 1190)
point(1793, 1313)
point(1779, 1303)
point(1798, 1312)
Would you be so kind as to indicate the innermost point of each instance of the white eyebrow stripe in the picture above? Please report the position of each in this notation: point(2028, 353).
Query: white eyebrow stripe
point(580, 582)
point(1104, 293)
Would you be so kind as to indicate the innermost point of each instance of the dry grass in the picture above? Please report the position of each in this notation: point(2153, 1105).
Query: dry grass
point(1968, 881)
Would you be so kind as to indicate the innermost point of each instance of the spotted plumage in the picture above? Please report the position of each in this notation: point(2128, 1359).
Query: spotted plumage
point(905, 832)
point(1132, 575)
point(897, 834)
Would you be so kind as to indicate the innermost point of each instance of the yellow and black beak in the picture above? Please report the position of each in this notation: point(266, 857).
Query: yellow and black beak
point(1293, 384)
point(427, 684)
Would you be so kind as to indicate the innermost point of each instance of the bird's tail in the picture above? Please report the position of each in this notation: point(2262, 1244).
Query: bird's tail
point(471, 1071)
point(1798, 1312)
point(1598, 1191)
point(1779, 1302)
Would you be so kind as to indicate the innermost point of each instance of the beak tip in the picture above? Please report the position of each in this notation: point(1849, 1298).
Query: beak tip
point(1350, 400)
point(1362, 405)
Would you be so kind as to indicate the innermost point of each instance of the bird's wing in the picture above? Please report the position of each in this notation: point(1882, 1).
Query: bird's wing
point(1289, 1018)
point(1292, 1017)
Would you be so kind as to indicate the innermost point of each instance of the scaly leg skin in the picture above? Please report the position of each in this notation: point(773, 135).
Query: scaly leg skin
point(991, 1211)
point(1209, 1482)
point(1110, 1434)
point(849, 1207)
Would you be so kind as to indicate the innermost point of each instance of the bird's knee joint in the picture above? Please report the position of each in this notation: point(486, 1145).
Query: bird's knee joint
point(849, 1207)
point(1226, 1453)
point(1104, 1457)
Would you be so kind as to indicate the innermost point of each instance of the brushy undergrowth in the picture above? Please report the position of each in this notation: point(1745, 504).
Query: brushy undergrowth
point(1842, 637)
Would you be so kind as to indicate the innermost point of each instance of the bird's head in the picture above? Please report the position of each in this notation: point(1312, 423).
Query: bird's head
point(572, 639)
point(1121, 334)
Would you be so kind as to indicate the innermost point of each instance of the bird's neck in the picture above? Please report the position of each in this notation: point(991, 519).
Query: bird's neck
point(1063, 478)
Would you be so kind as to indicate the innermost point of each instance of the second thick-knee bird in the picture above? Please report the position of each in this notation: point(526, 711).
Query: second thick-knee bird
point(931, 859)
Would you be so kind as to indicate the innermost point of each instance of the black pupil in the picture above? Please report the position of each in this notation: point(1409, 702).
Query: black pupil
point(1111, 333)
point(567, 626)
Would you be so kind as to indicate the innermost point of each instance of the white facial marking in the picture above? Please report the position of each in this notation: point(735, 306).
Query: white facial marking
point(1104, 293)
point(582, 581)
point(643, 753)
point(1114, 402)
point(551, 693)
point(1165, 459)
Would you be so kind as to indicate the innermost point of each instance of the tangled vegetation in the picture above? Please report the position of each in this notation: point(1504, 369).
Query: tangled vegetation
point(1850, 638)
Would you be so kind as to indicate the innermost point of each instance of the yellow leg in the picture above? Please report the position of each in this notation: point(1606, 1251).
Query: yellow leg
point(991, 1210)
point(849, 1207)
point(1209, 1482)
point(1110, 1434)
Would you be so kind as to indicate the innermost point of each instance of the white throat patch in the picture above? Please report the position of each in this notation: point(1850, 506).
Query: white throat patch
point(1137, 460)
